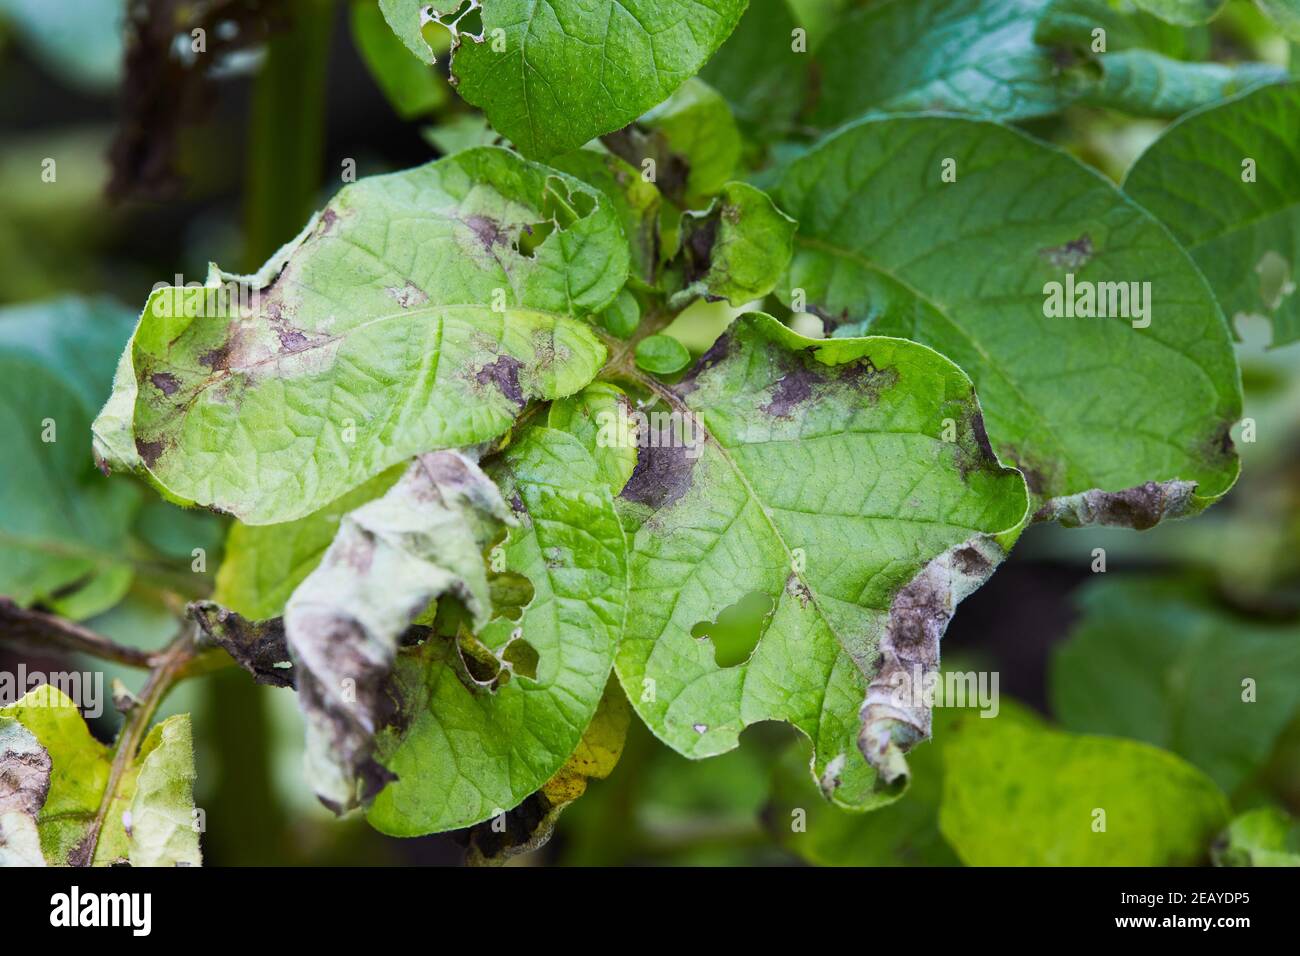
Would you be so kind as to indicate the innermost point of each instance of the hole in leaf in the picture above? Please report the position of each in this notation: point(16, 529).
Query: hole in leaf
point(533, 235)
point(481, 664)
point(1275, 282)
point(522, 658)
point(511, 593)
point(470, 23)
point(736, 630)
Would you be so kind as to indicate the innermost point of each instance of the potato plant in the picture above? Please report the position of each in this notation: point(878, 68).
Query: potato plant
point(717, 353)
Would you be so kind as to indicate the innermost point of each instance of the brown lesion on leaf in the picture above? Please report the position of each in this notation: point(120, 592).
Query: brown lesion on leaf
point(894, 714)
point(1140, 507)
point(716, 354)
point(634, 144)
point(165, 382)
point(701, 236)
point(24, 780)
point(150, 451)
point(488, 231)
point(1072, 255)
point(804, 378)
point(662, 476)
point(1037, 478)
point(257, 646)
point(503, 373)
point(974, 450)
point(218, 358)
point(408, 295)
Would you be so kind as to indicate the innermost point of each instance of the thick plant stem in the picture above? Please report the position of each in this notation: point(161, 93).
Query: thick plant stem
point(287, 129)
point(38, 631)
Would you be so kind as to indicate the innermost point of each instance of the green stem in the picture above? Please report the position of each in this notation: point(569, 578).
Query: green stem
point(166, 666)
point(287, 129)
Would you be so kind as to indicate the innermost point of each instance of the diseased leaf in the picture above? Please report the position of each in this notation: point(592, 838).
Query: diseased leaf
point(263, 564)
point(1262, 837)
point(418, 311)
point(1018, 793)
point(150, 821)
point(636, 202)
point(529, 826)
point(149, 818)
point(966, 235)
point(692, 140)
point(63, 527)
point(79, 770)
point(1152, 661)
point(423, 539)
point(162, 830)
point(552, 76)
point(24, 786)
point(465, 748)
point(813, 473)
point(959, 56)
point(738, 248)
point(1226, 181)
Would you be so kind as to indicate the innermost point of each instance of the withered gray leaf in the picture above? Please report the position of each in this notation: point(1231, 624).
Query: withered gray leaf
point(391, 559)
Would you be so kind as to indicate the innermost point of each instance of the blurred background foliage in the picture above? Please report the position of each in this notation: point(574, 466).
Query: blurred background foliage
point(202, 164)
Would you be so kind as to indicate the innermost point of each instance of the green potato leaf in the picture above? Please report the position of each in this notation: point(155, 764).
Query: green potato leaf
point(1285, 15)
point(1151, 661)
point(1018, 793)
point(760, 71)
point(552, 76)
point(419, 311)
point(959, 56)
point(662, 354)
point(980, 267)
point(64, 528)
point(1226, 181)
point(814, 475)
point(412, 87)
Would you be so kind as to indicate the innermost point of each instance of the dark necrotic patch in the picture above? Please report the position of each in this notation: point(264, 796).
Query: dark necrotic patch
point(716, 354)
point(292, 340)
point(793, 389)
point(1074, 254)
point(803, 376)
point(662, 476)
point(488, 231)
point(970, 562)
point(149, 451)
point(504, 374)
point(165, 382)
point(217, 359)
